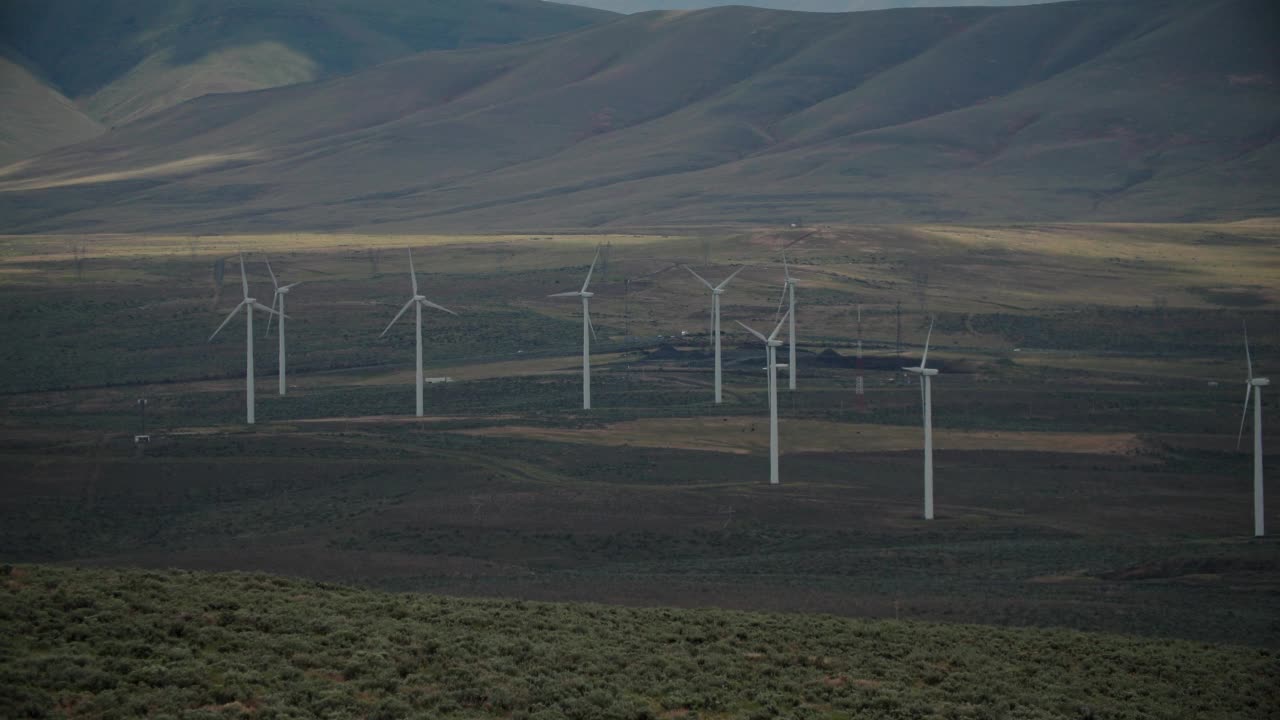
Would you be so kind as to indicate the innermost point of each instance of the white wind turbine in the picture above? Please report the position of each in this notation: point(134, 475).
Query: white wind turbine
point(926, 397)
point(588, 331)
point(771, 344)
point(278, 299)
point(249, 304)
point(418, 302)
point(1254, 385)
point(789, 292)
point(716, 291)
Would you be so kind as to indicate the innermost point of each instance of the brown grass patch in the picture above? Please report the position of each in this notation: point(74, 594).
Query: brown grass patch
point(748, 435)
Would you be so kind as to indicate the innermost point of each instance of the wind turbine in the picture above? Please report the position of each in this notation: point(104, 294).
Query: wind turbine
point(926, 397)
point(771, 344)
point(716, 291)
point(588, 330)
point(789, 290)
point(1254, 385)
point(418, 302)
point(278, 298)
point(249, 304)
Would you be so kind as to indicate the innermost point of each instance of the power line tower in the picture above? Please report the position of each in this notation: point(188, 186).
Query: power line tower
point(859, 387)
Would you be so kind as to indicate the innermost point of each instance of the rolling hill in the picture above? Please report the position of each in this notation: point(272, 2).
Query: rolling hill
point(123, 59)
point(1143, 110)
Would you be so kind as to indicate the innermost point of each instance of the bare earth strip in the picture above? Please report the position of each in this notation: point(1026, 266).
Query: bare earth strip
point(750, 435)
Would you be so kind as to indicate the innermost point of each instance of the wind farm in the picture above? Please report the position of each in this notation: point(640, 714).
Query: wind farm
point(996, 265)
point(1053, 431)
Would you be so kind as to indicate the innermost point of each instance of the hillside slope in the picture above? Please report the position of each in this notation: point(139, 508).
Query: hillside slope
point(98, 643)
point(1142, 110)
point(123, 59)
point(35, 117)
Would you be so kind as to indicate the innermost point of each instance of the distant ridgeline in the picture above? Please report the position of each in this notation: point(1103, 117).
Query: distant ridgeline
point(1151, 110)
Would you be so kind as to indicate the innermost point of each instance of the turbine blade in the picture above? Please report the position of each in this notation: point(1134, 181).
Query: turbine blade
point(265, 309)
point(781, 322)
point(734, 275)
point(1247, 357)
point(700, 278)
point(781, 300)
point(571, 293)
point(274, 282)
point(590, 325)
point(591, 270)
point(753, 332)
point(926, 344)
point(275, 297)
point(1248, 388)
point(294, 285)
point(230, 315)
point(413, 274)
point(397, 317)
point(244, 281)
point(428, 303)
point(786, 269)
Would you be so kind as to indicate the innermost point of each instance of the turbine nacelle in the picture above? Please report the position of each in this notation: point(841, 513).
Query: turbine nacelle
point(1260, 382)
point(922, 370)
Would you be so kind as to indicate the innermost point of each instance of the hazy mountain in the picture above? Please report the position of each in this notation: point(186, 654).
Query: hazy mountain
point(35, 117)
point(634, 6)
point(122, 59)
point(1144, 110)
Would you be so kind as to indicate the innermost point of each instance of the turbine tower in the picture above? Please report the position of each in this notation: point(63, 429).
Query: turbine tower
point(716, 291)
point(926, 397)
point(278, 298)
point(249, 304)
point(1254, 385)
point(771, 344)
point(588, 330)
point(418, 302)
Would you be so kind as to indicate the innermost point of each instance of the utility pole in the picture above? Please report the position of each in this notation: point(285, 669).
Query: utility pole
point(142, 439)
point(859, 387)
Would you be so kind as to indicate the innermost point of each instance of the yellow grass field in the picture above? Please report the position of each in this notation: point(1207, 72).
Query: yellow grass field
point(746, 435)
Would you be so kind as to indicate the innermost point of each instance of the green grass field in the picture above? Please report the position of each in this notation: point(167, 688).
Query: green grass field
point(128, 643)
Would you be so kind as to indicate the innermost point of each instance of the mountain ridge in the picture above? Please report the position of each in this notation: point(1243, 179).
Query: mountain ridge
point(1072, 111)
point(124, 59)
